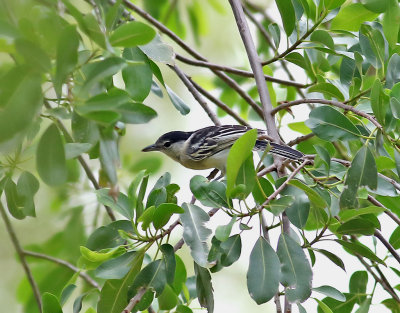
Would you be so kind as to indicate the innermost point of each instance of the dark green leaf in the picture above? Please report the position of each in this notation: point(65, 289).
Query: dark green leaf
point(349, 214)
point(153, 275)
point(357, 226)
point(288, 16)
point(277, 206)
point(195, 233)
point(263, 273)
point(50, 157)
point(113, 295)
point(212, 194)
point(362, 172)
point(147, 217)
point(167, 299)
point(123, 204)
point(323, 306)
point(232, 249)
point(67, 56)
point(170, 262)
point(390, 21)
point(275, 32)
point(358, 285)
point(163, 213)
point(183, 309)
point(131, 34)
point(328, 90)
point(323, 37)
point(204, 288)
point(223, 231)
point(379, 101)
point(356, 247)
point(333, 257)
point(177, 101)
point(66, 293)
point(329, 124)
point(262, 190)
point(351, 17)
point(298, 59)
point(330, 292)
point(296, 273)
point(180, 275)
point(393, 70)
point(298, 210)
point(116, 268)
point(50, 303)
point(394, 239)
point(109, 154)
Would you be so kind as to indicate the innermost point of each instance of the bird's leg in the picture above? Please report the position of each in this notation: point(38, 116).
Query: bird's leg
point(213, 173)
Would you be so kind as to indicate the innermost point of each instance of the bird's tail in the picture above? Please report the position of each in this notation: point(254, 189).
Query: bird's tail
point(284, 151)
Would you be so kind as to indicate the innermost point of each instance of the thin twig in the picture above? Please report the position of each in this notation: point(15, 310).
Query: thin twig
point(328, 102)
point(394, 217)
point(386, 243)
point(196, 94)
point(229, 81)
point(18, 248)
point(281, 187)
point(300, 139)
point(135, 300)
point(256, 67)
point(219, 103)
point(64, 263)
point(237, 71)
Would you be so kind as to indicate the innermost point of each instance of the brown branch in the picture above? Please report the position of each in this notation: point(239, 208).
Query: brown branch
point(393, 216)
point(328, 102)
point(64, 263)
point(256, 67)
point(300, 139)
point(382, 239)
point(18, 248)
point(298, 42)
point(281, 187)
point(196, 95)
point(229, 81)
point(237, 71)
point(135, 300)
point(219, 103)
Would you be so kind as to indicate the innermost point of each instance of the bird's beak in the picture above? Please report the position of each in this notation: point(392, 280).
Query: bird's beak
point(152, 147)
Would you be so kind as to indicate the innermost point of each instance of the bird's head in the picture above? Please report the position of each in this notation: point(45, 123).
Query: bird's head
point(170, 143)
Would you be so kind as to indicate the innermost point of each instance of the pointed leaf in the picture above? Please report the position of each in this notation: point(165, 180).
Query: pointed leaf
point(223, 231)
point(195, 233)
point(132, 34)
point(50, 303)
point(328, 90)
point(288, 16)
point(330, 292)
point(351, 17)
point(204, 288)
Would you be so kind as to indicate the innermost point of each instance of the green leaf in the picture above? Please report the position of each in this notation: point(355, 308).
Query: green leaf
point(356, 247)
point(314, 196)
point(328, 90)
point(358, 285)
point(323, 37)
point(67, 56)
point(33, 55)
point(183, 309)
point(349, 214)
point(132, 34)
point(379, 103)
point(330, 124)
point(333, 4)
point(153, 275)
point(180, 275)
point(211, 194)
point(123, 205)
point(108, 101)
point(66, 293)
point(20, 91)
point(167, 299)
point(204, 288)
point(377, 6)
point(263, 273)
point(391, 19)
point(195, 233)
point(138, 77)
point(101, 256)
point(177, 101)
point(116, 268)
point(73, 150)
point(50, 303)
point(298, 210)
point(288, 16)
point(394, 239)
point(296, 273)
point(240, 151)
point(393, 72)
point(351, 17)
point(109, 155)
point(163, 213)
point(298, 59)
point(232, 249)
point(324, 307)
point(277, 206)
point(113, 295)
point(357, 226)
point(333, 257)
point(362, 172)
point(262, 190)
point(223, 231)
point(50, 157)
point(170, 262)
point(330, 292)
point(159, 51)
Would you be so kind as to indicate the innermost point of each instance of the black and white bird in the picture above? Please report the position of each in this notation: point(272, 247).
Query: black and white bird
point(209, 147)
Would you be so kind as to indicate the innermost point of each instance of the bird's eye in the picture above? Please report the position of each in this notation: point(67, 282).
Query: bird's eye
point(167, 144)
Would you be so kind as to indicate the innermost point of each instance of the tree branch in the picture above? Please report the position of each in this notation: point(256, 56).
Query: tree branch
point(256, 67)
point(196, 95)
point(237, 71)
point(18, 248)
point(64, 263)
point(394, 217)
point(382, 239)
point(135, 300)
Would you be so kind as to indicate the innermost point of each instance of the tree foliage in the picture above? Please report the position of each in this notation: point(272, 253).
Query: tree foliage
point(75, 74)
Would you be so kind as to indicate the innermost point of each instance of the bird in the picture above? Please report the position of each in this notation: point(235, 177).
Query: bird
point(209, 147)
